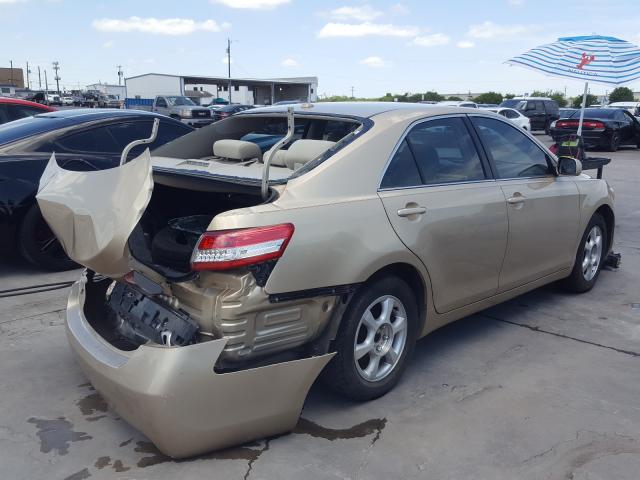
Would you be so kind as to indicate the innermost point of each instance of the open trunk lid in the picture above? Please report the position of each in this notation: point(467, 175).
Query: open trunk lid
point(93, 213)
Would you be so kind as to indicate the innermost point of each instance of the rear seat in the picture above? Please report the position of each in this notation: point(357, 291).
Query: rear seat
point(299, 153)
point(237, 150)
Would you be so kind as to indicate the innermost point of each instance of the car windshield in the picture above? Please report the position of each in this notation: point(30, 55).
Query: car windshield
point(595, 113)
point(514, 103)
point(178, 101)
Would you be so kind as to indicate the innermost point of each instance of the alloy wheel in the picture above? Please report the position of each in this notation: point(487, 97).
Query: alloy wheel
point(381, 337)
point(592, 253)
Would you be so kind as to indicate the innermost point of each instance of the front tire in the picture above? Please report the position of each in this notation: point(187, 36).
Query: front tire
point(374, 341)
point(590, 256)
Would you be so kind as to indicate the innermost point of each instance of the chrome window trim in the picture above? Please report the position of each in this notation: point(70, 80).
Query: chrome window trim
point(404, 135)
point(445, 184)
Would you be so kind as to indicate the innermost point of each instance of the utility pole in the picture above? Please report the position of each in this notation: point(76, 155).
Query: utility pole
point(11, 71)
point(46, 84)
point(56, 67)
point(120, 74)
point(352, 92)
point(28, 72)
point(39, 79)
point(229, 66)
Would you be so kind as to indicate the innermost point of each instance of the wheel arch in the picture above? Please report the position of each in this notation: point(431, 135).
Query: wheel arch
point(414, 278)
point(609, 218)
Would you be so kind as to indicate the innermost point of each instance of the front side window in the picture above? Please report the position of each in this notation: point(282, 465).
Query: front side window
point(442, 152)
point(513, 153)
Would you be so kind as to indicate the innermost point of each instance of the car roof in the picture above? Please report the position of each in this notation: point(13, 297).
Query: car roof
point(19, 101)
point(356, 109)
point(52, 121)
point(88, 114)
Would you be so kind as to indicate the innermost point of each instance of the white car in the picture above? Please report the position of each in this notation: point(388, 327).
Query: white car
point(66, 100)
point(633, 107)
point(456, 103)
point(514, 115)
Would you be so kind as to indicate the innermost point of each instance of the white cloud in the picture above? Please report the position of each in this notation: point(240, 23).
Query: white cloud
point(399, 9)
point(364, 13)
point(374, 62)
point(289, 62)
point(252, 4)
point(466, 44)
point(108, 44)
point(365, 29)
point(432, 40)
point(163, 26)
point(491, 30)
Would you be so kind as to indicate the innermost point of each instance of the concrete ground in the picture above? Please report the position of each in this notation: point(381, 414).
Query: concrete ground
point(545, 386)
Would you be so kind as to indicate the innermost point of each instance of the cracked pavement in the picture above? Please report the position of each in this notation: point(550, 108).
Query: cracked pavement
point(545, 386)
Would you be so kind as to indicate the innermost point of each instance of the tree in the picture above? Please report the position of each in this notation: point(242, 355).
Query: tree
point(621, 94)
point(454, 98)
point(489, 97)
point(433, 96)
point(509, 96)
point(577, 101)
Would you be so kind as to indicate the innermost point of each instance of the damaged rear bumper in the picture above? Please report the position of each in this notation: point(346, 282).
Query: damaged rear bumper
point(173, 395)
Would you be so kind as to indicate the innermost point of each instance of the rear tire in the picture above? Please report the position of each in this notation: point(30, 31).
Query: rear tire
point(380, 326)
point(614, 143)
point(39, 246)
point(589, 258)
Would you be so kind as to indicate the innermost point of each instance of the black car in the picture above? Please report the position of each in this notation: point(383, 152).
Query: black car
point(541, 111)
point(607, 128)
point(82, 139)
point(567, 112)
point(228, 110)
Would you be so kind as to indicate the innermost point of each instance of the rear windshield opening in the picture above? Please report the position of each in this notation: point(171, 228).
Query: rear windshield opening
point(317, 136)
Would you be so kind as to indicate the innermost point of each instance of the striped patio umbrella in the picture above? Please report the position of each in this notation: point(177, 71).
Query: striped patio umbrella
point(592, 58)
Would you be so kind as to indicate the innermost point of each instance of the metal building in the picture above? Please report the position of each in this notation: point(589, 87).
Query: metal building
point(249, 91)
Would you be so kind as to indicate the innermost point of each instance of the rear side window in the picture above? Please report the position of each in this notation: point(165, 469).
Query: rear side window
point(513, 153)
point(442, 151)
point(402, 170)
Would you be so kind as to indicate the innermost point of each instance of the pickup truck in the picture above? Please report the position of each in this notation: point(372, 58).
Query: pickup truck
point(182, 108)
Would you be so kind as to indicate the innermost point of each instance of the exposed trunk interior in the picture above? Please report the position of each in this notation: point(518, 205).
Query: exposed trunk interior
point(179, 211)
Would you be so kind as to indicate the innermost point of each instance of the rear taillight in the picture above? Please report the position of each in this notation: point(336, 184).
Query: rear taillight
point(587, 124)
point(227, 249)
point(224, 114)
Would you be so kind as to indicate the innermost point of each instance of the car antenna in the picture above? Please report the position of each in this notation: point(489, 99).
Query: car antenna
point(144, 141)
point(274, 150)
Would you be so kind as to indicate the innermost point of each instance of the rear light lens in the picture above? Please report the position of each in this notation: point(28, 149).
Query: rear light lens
point(227, 249)
point(588, 124)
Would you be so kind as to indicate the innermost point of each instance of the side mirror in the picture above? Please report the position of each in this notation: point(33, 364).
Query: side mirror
point(569, 166)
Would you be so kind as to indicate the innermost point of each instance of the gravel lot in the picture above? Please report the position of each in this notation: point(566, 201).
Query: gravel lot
point(544, 386)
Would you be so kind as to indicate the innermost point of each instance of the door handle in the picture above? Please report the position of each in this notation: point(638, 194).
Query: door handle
point(407, 212)
point(517, 199)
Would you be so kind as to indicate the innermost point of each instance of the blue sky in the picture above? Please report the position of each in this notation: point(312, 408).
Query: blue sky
point(375, 46)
